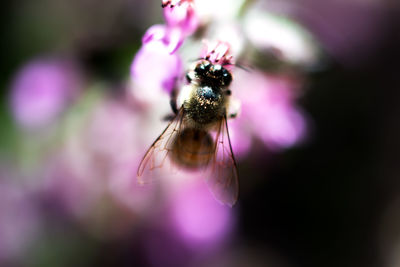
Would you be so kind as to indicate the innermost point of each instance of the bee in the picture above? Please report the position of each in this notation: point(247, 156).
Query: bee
point(197, 138)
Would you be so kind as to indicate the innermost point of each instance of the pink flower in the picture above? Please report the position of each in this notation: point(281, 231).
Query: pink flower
point(100, 145)
point(181, 15)
point(156, 65)
point(217, 53)
point(199, 219)
point(265, 103)
point(41, 90)
point(268, 112)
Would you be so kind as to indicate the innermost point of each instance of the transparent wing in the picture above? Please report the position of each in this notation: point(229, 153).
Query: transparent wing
point(222, 177)
point(157, 155)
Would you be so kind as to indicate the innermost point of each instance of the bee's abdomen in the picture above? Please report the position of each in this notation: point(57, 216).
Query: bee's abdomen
point(205, 106)
point(192, 148)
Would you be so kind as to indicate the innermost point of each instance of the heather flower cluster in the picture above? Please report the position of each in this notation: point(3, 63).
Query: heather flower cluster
point(246, 39)
point(240, 34)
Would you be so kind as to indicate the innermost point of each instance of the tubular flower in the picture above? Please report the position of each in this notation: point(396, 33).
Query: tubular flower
point(181, 15)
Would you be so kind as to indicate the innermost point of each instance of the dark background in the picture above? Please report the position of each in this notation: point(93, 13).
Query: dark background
point(323, 203)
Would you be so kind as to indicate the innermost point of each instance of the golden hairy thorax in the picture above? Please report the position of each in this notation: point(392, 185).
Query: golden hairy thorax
point(204, 106)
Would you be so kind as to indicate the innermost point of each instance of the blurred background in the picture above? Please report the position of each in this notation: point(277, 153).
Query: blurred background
point(72, 134)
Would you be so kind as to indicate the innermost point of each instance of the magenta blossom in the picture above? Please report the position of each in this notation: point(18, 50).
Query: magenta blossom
point(181, 15)
point(41, 90)
point(157, 64)
point(148, 69)
point(199, 219)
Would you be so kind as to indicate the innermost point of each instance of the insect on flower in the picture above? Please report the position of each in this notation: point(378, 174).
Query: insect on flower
point(197, 138)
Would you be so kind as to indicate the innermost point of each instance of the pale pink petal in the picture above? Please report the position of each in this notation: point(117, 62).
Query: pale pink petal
point(217, 52)
point(241, 137)
point(268, 109)
point(154, 67)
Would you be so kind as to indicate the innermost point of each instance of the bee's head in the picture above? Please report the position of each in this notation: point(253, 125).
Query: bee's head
point(212, 73)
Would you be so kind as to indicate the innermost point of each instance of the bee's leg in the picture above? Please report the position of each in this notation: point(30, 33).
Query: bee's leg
point(173, 104)
point(188, 77)
point(169, 117)
point(173, 101)
point(228, 93)
point(234, 106)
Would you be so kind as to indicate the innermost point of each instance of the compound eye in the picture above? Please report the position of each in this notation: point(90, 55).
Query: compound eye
point(226, 77)
point(217, 71)
point(202, 68)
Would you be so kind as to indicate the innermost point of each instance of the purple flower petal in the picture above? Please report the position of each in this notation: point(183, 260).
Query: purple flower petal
point(268, 110)
point(172, 38)
point(156, 65)
point(199, 218)
point(182, 16)
point(41, 90)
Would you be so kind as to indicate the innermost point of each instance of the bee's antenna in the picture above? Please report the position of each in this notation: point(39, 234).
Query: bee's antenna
point(240, 66)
